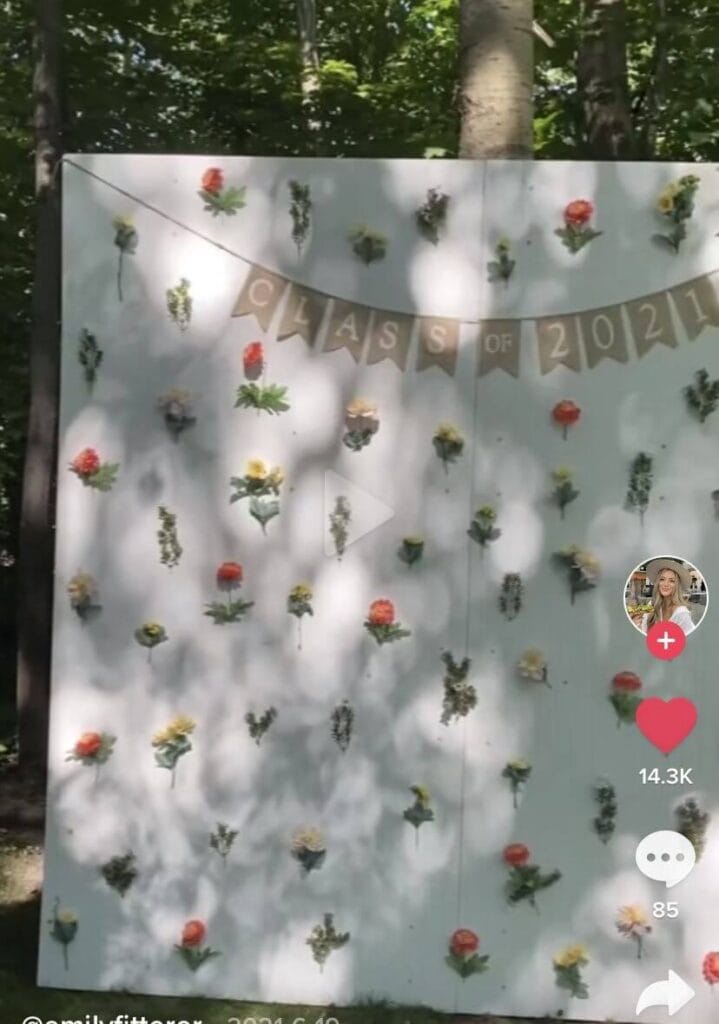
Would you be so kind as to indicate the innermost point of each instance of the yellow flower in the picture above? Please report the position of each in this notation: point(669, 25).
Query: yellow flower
point(422, 794)
point(532, 664)
point(632, 918)
point(520, 765)
point(562, 474)
point(66, 916)
point(256, 470)
point(122, 223)
point(449, 434)
point(181, 726)
point(153, 629)
point(570, 956)
point(487, 513)
point(276, 476)
point(81, 587)
point(414, 540)
point(665, 203)
point(160, 737)
point(308, 839)
point(301, 592)
point(588, 563)
point(361, 407)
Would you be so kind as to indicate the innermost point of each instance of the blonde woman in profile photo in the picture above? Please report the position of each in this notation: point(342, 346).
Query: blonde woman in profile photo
point(671, 580)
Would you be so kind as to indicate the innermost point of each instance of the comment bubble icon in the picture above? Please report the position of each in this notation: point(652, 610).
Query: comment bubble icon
point(665, 856)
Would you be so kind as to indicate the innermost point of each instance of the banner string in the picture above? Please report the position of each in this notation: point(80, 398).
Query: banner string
point(339, 298)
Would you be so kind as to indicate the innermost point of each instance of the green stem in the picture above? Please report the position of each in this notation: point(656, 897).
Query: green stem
point(119, 275)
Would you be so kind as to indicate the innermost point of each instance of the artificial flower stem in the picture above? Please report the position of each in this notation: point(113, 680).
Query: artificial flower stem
point(65, 957)
point(172, 776)
point(564, 431)
point(299, 634)
point(119, 275)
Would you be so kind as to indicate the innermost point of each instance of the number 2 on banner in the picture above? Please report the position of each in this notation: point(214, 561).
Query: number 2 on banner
point(651, 331)
point(561, 349)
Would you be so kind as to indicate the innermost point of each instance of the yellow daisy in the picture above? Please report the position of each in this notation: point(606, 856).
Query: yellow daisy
point(256, 470)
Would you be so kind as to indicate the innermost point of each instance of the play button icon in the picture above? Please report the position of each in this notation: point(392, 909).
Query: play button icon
point(360, 511)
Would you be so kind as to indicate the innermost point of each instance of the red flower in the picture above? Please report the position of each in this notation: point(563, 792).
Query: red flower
point(86, 463)
point(193, 934)
point(710, 968)
point(253, 355)
point(516, 855)
point(381, 612)
point(464, 942)
point(578, 213)
point(88, 744)
point(566, 412)
point(629, 682)
point(230, 572)
point(212, 180)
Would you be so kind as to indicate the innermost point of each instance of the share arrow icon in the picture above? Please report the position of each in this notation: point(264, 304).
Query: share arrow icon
point(674, 993)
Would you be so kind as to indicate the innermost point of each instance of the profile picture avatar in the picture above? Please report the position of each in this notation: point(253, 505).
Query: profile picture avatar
point(663, 589)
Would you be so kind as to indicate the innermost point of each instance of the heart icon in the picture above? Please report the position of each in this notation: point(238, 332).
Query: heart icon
point(666, 723)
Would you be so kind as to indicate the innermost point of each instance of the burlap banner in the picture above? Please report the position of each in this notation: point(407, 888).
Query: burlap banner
point(572, 340)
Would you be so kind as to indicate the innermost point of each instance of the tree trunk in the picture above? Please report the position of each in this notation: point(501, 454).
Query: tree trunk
point(496, 73)
point(35, 568)
point(307, 25)
point(602, 81)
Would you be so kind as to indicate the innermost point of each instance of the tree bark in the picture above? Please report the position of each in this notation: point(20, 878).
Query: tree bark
point(36, 550)
point(602, 81)
point(496, 73)
point(310, 82)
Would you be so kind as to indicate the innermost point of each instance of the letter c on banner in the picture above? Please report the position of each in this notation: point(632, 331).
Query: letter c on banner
point(254, 295)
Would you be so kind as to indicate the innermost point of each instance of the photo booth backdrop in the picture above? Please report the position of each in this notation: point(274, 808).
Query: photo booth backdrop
point(399, 894)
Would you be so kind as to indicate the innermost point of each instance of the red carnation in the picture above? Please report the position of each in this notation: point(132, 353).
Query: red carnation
point(87, 463)
point(578, 213)
point(463, 942)
point(516, 855)
point(566, 413)
point(253, 357)
point(710, 968)
point(89, 744)
point(213, 180)
point(193, 934)
point(230, 572)
point(629, 682)
point(381, 613)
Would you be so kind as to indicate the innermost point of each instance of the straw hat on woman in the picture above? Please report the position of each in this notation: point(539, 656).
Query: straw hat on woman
point(671, 580)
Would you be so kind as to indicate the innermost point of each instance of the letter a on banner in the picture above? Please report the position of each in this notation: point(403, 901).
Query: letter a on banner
point(558, 342)
point(260, 296)
point(438, 343)
point(499, 346)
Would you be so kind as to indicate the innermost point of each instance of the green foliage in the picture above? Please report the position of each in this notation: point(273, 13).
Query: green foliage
point(270, 398)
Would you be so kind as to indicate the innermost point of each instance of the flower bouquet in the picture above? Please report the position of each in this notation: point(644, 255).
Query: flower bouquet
point(411, 550)
point(380, 623)
point(532, 665)
point(299, 604)
point(567, 970)
point(342, 719)
point(87, 467)
point(565, 414)
point(89, 355)
point(258, 483)
point(325, 939)
point(605, 796)
point(150, 635)
point(222, 841)
point(63, 928)
point(431, 216)
point(502, 266)
point(463, 957)
point(510, 596)
point(367, 245)
point(190, 947)
point(262, 397)
point(172, 743)
point(126, 239)
point(179, 304)
point(564, 490)
point(420, 811)
point(308, 847)
point(176, 409)
point(632, 923)
point(623, 698)
point(216, 197)
point(259, 726)
point(577, 232)
point(460, 697)
point(448, 444)
point(229, 578)
point(120, 872)
point(582, 567)
point(525, 879)
point(676, 206)
point(361, 424)
point(82, 591)
point(518, 773)
point(93, 749)
point(482, 528)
